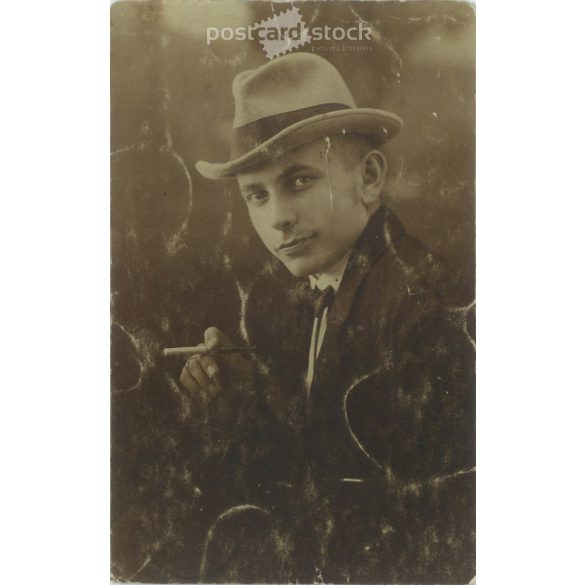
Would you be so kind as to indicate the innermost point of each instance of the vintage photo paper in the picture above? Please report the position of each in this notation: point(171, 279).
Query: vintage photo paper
point(292, 292)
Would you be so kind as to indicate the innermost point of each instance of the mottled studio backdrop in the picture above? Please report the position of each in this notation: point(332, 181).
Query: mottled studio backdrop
point(183, 250)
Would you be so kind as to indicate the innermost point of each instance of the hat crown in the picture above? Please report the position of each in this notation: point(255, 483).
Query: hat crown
point(289, 83)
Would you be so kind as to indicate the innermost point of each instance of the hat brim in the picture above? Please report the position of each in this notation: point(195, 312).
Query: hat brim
point(379, 125)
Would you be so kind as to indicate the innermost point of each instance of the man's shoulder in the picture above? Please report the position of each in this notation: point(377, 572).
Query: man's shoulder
point(405, 264)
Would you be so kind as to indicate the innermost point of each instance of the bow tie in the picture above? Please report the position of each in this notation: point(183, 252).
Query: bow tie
point(314, 299)
point(321, 299)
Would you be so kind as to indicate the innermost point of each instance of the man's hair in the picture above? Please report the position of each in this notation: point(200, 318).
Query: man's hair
point(351, 148)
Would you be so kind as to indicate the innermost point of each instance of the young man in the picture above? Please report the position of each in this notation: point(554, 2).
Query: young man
point(343, 448)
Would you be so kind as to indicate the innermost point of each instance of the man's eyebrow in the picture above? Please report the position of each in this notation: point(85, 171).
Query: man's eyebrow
point(251, 187)
point(293, 170)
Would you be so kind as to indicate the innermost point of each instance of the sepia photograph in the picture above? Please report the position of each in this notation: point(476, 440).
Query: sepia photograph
point(292, 292)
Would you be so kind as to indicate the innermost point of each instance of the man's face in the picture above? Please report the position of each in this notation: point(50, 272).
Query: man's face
point(306, 207)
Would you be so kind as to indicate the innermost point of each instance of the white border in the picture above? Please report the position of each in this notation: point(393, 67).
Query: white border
point(530, 291)
point(55, 292)
point(55, 244)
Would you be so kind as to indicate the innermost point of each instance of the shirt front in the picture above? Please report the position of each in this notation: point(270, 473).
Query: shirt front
point(332, 277)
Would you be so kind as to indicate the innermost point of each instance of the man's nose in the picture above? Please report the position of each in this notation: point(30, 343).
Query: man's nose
point(284, 214)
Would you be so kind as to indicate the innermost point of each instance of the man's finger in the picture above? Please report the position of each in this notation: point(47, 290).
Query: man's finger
point(197, 371)
point(188, 381)
point(210, 366)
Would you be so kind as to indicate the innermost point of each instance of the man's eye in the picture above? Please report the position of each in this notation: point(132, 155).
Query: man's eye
point(256, 197)
point(301, 182)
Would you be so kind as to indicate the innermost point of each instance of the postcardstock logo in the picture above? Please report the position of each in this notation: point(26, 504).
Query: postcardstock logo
point(286, 31)
point(282, 33)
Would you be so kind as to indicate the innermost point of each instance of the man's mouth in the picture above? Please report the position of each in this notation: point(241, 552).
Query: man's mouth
point(295, 244)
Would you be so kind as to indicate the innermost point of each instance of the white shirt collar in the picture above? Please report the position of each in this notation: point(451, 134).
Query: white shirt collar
point(331, 277)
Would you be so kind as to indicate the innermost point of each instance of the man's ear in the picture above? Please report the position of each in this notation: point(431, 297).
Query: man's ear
point(373, 170)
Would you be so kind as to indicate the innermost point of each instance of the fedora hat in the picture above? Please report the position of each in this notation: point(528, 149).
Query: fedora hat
point(291, 101)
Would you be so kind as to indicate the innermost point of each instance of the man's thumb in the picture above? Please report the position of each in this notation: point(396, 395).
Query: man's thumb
point(215, 338)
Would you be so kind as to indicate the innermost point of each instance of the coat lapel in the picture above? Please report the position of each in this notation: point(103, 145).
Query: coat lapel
point(383, 230)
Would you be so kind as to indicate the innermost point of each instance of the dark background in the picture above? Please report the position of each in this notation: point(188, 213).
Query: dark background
point(183, 251)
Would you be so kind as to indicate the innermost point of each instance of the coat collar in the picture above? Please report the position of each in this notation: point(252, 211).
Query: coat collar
point(382, 231)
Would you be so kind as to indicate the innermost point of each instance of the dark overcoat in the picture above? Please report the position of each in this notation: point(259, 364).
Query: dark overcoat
point(369, 477)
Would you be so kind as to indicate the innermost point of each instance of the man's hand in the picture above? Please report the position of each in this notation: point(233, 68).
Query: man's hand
point(205, 374)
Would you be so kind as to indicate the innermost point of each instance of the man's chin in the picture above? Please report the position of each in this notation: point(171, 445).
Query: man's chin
point(301, 267)
point(304, 266)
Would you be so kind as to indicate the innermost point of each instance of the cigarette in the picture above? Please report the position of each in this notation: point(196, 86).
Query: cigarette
point(204, 351)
